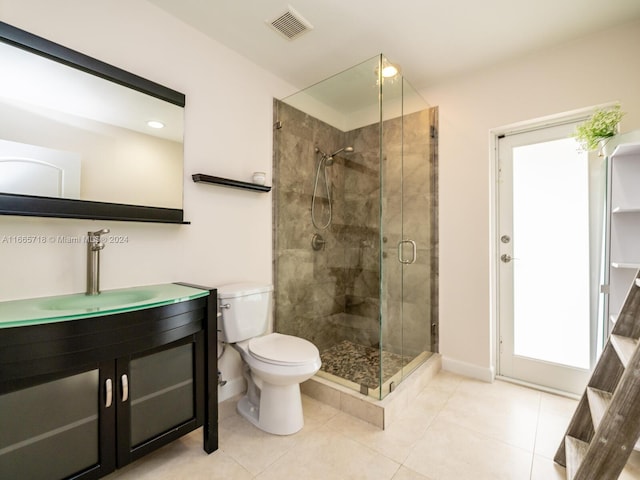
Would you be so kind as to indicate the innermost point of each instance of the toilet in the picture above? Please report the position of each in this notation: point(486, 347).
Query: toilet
point(274, 364)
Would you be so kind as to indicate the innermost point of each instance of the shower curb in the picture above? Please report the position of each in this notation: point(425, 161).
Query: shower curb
point(380, 413)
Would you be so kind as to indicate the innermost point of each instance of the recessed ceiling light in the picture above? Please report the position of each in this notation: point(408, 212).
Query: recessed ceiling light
point(155, 124)
point(389, 71)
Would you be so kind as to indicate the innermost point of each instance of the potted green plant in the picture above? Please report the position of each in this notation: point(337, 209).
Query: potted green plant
point(602, 125)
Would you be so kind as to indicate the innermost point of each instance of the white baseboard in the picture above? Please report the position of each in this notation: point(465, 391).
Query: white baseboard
point(238, 385)
point(232, 388)
point(533, 386)
point(486, 374)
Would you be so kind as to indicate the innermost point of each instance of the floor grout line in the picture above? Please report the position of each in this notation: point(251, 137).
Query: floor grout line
point(535, 437)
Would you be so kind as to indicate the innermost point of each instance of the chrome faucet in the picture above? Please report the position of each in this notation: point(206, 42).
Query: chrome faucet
point(94, 245)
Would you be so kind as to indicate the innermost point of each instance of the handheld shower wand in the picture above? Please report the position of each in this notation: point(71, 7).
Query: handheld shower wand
point(325, 161)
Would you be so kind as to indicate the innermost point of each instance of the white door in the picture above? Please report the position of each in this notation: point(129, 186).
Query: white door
point(547, 272)
point(33, 170)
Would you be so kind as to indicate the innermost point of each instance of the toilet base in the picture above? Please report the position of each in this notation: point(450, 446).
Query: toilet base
point(279, 412)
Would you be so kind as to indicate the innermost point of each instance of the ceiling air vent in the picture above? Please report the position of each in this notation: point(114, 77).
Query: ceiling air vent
point(290, 24)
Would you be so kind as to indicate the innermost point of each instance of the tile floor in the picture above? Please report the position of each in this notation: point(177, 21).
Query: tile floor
point(456, 429)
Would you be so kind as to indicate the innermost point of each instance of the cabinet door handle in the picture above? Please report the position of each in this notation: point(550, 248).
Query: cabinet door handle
point(108, 390)
point(125, 387)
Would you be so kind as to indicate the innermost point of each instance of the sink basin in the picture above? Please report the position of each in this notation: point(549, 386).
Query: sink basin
point(77, 306)
point(96, 302)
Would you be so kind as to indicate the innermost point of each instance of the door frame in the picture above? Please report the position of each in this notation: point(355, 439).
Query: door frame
point(494, 223)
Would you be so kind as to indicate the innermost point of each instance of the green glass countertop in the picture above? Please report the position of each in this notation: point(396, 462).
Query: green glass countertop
point(36, 311)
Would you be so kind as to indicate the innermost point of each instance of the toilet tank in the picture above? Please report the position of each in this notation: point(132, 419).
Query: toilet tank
point(245, 310)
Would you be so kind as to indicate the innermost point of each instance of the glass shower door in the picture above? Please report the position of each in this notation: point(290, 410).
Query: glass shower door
point(407, 231)
point(419, 225)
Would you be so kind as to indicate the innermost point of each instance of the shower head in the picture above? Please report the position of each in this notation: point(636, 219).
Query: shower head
point(343, 149)
point(329, 159)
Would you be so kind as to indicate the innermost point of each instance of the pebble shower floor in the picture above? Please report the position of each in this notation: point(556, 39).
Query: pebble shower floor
point(361, 364)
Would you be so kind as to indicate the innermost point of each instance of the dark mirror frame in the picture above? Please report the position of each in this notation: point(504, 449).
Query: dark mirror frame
point(29, 205)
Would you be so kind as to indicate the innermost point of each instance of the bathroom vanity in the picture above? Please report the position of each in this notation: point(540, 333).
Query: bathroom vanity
point(90, 384)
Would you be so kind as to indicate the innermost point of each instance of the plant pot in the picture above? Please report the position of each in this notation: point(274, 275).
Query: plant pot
point(606, 146)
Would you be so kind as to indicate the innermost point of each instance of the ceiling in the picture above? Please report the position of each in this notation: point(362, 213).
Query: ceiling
point(432, 41)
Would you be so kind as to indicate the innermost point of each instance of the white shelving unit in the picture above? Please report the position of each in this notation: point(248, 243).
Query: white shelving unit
point(624, 221)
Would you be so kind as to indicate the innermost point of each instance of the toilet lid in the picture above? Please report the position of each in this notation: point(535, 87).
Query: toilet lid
point(282, 349)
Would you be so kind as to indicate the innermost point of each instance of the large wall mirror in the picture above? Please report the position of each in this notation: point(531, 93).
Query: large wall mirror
point(82, 139)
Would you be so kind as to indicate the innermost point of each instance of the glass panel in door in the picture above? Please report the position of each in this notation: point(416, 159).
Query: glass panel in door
point(547, 259)
point(161, 390)
point(406, 224)
point(52, 430)
point(419, 225)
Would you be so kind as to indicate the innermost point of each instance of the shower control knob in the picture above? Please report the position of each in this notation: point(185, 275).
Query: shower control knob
point(317, 242)
point(506, 258)
point(225, 305)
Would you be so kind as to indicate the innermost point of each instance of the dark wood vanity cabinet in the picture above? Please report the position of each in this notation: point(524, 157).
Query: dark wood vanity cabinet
point(80, 398)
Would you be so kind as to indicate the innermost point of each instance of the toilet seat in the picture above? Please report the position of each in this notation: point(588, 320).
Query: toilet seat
point(279, 349)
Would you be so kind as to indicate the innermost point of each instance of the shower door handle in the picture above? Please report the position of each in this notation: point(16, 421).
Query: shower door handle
point(414, 249)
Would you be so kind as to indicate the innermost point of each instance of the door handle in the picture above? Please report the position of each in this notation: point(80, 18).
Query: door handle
point(414, 250)
point(108, 393)
point(125, 387)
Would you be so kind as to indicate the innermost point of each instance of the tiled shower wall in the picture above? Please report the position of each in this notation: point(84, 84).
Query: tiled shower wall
point(332, 295)
point(308, 284)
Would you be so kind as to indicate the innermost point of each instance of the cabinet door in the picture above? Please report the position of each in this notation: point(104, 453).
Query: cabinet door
point(157, 397)
point(57, 429)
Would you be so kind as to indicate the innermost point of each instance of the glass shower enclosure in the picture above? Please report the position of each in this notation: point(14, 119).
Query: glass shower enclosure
point(356, 225)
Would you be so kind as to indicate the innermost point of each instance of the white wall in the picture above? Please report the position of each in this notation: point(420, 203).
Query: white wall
point(597, 69)
point(228, 133)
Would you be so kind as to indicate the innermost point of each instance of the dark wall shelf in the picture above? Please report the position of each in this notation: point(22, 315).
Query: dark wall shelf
point(30, 205)
point(227, 182)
